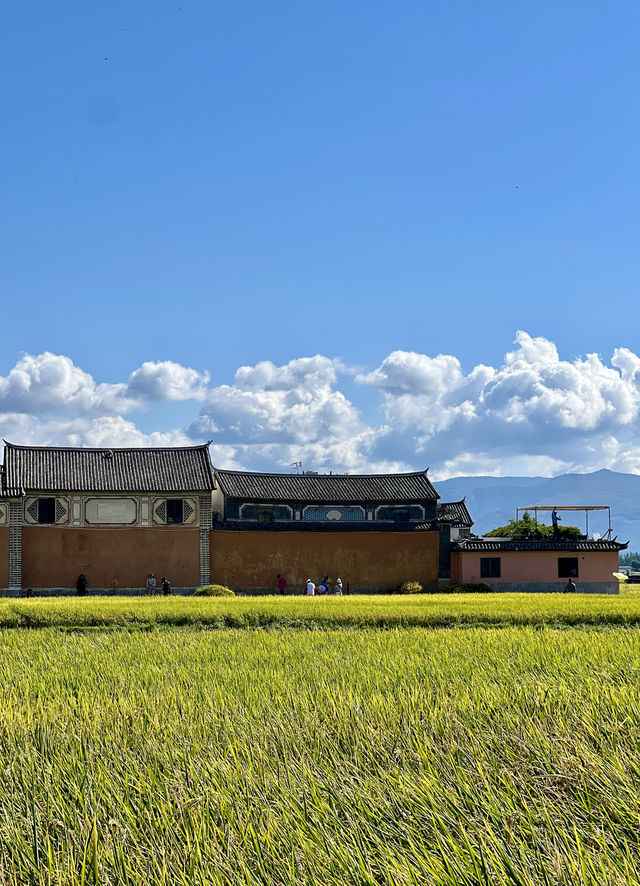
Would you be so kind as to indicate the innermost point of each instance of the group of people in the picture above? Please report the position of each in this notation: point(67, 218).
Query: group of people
point(151, 585)
point(324, 586)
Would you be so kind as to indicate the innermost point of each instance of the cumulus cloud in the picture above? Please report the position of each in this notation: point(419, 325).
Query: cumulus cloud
point(534, 413)
point(167, 381)
point(276, 415)
point(52, 383)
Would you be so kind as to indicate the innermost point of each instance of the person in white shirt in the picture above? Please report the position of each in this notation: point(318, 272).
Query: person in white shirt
point(151, 584)
point(338, 589)
point(311, 588)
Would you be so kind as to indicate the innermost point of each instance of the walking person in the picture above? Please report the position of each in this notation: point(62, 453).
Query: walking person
point(282, 584)
point(166, 586)
point(151, 584)
point(311, 588)
point(81, 585)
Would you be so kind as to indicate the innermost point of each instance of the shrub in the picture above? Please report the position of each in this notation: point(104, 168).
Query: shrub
point(410, 587)
point(213, 591)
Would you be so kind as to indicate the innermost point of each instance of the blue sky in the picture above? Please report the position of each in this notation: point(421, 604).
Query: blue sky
point(212, 186)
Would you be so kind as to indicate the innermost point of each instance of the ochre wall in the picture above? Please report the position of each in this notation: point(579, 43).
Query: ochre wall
point(367, 560)
point(534, 566)
point(4, 556)
point(53, 557)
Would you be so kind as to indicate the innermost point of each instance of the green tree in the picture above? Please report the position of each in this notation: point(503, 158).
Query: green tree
point(526, 527)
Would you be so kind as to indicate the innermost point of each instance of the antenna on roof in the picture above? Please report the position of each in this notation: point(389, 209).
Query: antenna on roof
point(297, 467)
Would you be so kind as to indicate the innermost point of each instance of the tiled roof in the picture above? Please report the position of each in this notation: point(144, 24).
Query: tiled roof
point(313, 526)
point(454, 513)
point(59, 469)
point(326, 488)
point(509, 544)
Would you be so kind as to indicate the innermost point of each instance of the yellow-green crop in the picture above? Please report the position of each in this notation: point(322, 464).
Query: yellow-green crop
point(400, 756)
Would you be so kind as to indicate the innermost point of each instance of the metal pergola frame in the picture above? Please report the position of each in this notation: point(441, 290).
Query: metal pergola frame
point(585, 508)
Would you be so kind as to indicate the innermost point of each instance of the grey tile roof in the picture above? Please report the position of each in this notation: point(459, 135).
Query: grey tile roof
point(313, 526)
point(508, 544)
point(60, 469)
point(326, 488)
point(455, 513)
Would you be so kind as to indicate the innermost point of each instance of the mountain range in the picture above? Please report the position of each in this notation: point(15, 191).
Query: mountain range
point(492, 501)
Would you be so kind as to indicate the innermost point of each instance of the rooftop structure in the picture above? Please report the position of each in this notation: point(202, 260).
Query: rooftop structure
point(546, 544)
point(327, 488)
point(66, 469)
point(455, 513)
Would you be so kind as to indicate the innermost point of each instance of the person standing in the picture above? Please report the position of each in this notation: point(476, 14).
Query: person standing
point(151, 584)
point(282, 584)
point(81, 585)
point(166, 586)
point(554, 521)
point(311, 588)
point(338, 590)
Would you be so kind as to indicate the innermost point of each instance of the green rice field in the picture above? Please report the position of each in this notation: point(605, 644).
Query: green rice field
point(492, 739)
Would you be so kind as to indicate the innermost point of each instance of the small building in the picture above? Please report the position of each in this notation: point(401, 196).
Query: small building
point(112, 514)
point(537, 565)
point(371, 530)
point(454, 521)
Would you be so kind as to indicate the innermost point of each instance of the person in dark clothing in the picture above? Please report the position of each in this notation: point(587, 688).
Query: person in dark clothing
point(570, 587)
point(81, 585)
point(282, 584)
point(554, 522)
point(166, 587)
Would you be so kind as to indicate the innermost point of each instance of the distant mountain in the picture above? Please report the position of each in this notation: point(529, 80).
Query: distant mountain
point(492, 501)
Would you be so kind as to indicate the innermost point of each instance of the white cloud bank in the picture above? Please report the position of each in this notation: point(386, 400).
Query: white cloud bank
point(534, 414)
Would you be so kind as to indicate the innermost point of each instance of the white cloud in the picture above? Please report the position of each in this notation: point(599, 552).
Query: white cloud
point(534, 413)
point(168, 381)
point(53, 383)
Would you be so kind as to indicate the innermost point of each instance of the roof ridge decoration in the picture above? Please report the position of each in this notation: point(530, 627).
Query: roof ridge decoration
point(195, 446)
point(332, 474)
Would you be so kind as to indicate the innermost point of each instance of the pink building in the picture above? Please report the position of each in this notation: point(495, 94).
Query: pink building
point(537, 566)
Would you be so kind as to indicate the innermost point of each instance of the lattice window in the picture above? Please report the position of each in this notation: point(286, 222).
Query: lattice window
point(32, 510)
point(187, 510)
point(161, 511)
point(3, 514)
point(61, 511)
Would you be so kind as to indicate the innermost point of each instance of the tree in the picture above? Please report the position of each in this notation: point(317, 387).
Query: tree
point(526, 527)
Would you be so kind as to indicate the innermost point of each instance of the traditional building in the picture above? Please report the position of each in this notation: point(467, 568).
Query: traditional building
point(112, 514)
point(537, 565)
point(371, 530)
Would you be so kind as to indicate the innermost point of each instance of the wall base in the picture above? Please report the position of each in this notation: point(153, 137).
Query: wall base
point(92, 592)
point(555, 587)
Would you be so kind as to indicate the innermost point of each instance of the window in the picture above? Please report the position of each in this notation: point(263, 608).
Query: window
point(46, 510)
point(175, 510)
point(567, 567)
point(489, 567)
point(265, 515)
point(400, 514)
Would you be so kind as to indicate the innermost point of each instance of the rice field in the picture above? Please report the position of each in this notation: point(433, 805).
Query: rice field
point(479, 755)
point(382, 611)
